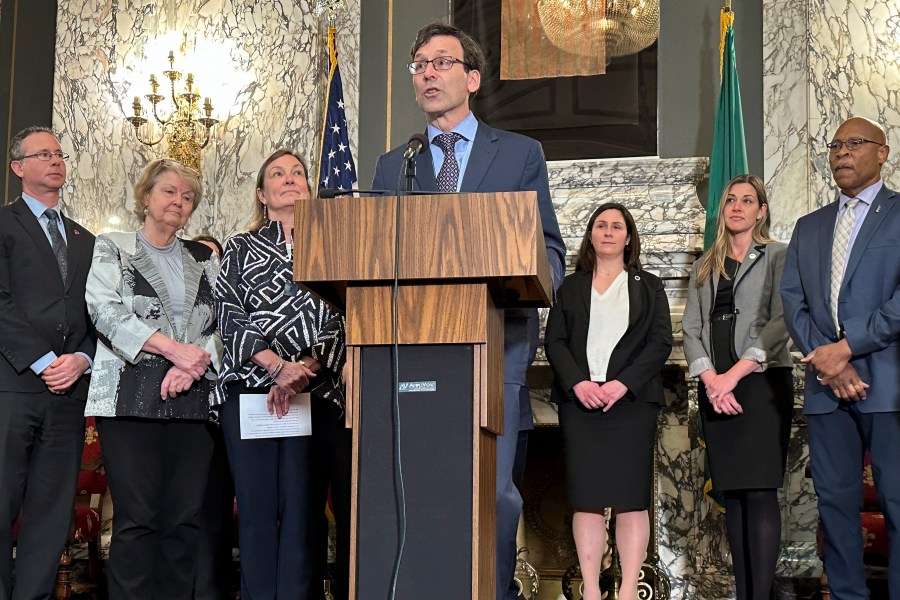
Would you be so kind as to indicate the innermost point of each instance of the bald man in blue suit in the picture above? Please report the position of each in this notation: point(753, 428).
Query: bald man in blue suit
point(447, 65)
point(841, 292)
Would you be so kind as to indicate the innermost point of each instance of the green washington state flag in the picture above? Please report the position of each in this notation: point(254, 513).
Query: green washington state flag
point(729, 152)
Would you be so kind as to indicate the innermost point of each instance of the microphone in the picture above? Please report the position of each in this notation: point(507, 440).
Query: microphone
point(335, 192)
point(416, 145)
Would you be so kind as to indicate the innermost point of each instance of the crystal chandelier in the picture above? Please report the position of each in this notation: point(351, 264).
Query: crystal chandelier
point(185, 128)
point(625, 26)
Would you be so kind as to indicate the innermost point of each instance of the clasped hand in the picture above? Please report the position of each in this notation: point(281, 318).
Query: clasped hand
point(593, 395)
point(720, 391)
point(192, 360)
point(62, 373)
point(292, 379)
point(829, 360)
point(831, 363)
point(846, 385)
point(189, 365)
point(175, 382)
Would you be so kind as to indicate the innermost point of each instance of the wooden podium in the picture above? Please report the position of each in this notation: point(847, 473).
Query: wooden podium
point(463, 258)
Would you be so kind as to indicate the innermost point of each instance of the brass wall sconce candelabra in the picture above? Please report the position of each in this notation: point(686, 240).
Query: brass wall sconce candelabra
point(186, 130)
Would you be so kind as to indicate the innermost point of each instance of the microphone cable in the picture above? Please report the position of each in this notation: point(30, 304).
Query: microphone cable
point(399, 488)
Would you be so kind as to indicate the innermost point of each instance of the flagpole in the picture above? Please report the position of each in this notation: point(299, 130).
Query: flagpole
point(327, 12)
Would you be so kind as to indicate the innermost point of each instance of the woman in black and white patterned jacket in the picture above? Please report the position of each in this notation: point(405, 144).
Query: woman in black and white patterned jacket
point(280, 341)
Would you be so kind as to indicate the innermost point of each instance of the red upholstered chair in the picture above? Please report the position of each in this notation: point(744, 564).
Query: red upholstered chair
point(85, 527)
point(874, 529)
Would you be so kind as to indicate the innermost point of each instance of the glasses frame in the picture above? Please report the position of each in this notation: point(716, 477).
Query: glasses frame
point(453, 60)
point(857, 142)
point(64, 156)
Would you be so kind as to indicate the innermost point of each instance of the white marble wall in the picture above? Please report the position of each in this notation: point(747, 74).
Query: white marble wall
point(824, 61)
point(270, 45)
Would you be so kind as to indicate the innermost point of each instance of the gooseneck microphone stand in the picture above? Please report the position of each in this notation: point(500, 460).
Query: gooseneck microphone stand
point(410, 172)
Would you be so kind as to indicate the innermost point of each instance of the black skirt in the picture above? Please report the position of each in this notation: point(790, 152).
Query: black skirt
point(609, 456)
point(749, 450)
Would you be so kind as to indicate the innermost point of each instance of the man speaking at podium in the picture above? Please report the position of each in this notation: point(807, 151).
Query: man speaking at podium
point(467, 156)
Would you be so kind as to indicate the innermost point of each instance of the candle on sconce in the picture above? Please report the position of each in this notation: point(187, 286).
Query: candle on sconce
point(152, 78)
point(171, 55)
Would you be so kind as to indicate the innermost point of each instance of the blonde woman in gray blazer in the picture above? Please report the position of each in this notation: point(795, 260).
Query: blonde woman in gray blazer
point(150, 297)
point(735, 342)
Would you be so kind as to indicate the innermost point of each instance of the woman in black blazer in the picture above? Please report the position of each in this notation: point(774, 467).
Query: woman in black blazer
point(608, 336)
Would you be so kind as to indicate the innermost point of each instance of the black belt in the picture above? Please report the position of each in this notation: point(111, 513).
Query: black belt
point(725, 317)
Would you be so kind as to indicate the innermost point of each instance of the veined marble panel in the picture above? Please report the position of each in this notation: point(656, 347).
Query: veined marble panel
point(786, 124)
point(824, 61)
point(274, 46)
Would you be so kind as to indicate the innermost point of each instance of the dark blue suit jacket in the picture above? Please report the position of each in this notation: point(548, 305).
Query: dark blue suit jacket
point(869, 301)
point(500, 161)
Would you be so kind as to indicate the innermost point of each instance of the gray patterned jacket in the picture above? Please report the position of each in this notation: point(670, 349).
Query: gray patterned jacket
point(759, 331)
point(127, 301)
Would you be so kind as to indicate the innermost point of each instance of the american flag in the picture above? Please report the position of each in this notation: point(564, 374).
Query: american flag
point(336, 166)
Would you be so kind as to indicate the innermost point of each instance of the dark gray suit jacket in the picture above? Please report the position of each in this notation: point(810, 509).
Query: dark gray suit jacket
point(759, 331)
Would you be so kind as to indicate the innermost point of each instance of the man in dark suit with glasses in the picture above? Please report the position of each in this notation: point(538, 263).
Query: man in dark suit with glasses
point(841, 291)
point(47, 345)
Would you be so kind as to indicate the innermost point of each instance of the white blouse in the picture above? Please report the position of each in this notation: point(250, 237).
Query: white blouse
point(608, 322)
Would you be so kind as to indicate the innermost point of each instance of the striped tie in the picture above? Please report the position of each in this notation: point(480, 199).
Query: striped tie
point(839, 254)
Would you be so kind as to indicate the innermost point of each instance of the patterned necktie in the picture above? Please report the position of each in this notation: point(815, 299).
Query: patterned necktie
point(449, 173)
point(57, 242)
point(839, 254)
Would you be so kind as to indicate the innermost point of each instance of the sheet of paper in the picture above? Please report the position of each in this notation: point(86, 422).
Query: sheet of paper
point(256, 422)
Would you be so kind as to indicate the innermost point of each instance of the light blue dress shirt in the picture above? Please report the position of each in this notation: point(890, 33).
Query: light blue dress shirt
point(37, 208)
point(467, 129)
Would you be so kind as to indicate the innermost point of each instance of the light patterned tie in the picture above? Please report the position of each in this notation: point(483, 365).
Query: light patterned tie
point(839, 254)
point(449, 173)
point(57, 242)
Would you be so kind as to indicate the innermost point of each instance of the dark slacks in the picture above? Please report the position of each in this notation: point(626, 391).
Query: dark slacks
point(41, 439)
point(510, 463)
point(837, 443)
point(331, 454)
point(157, 472)
point(214, 560)
point(276, 517)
